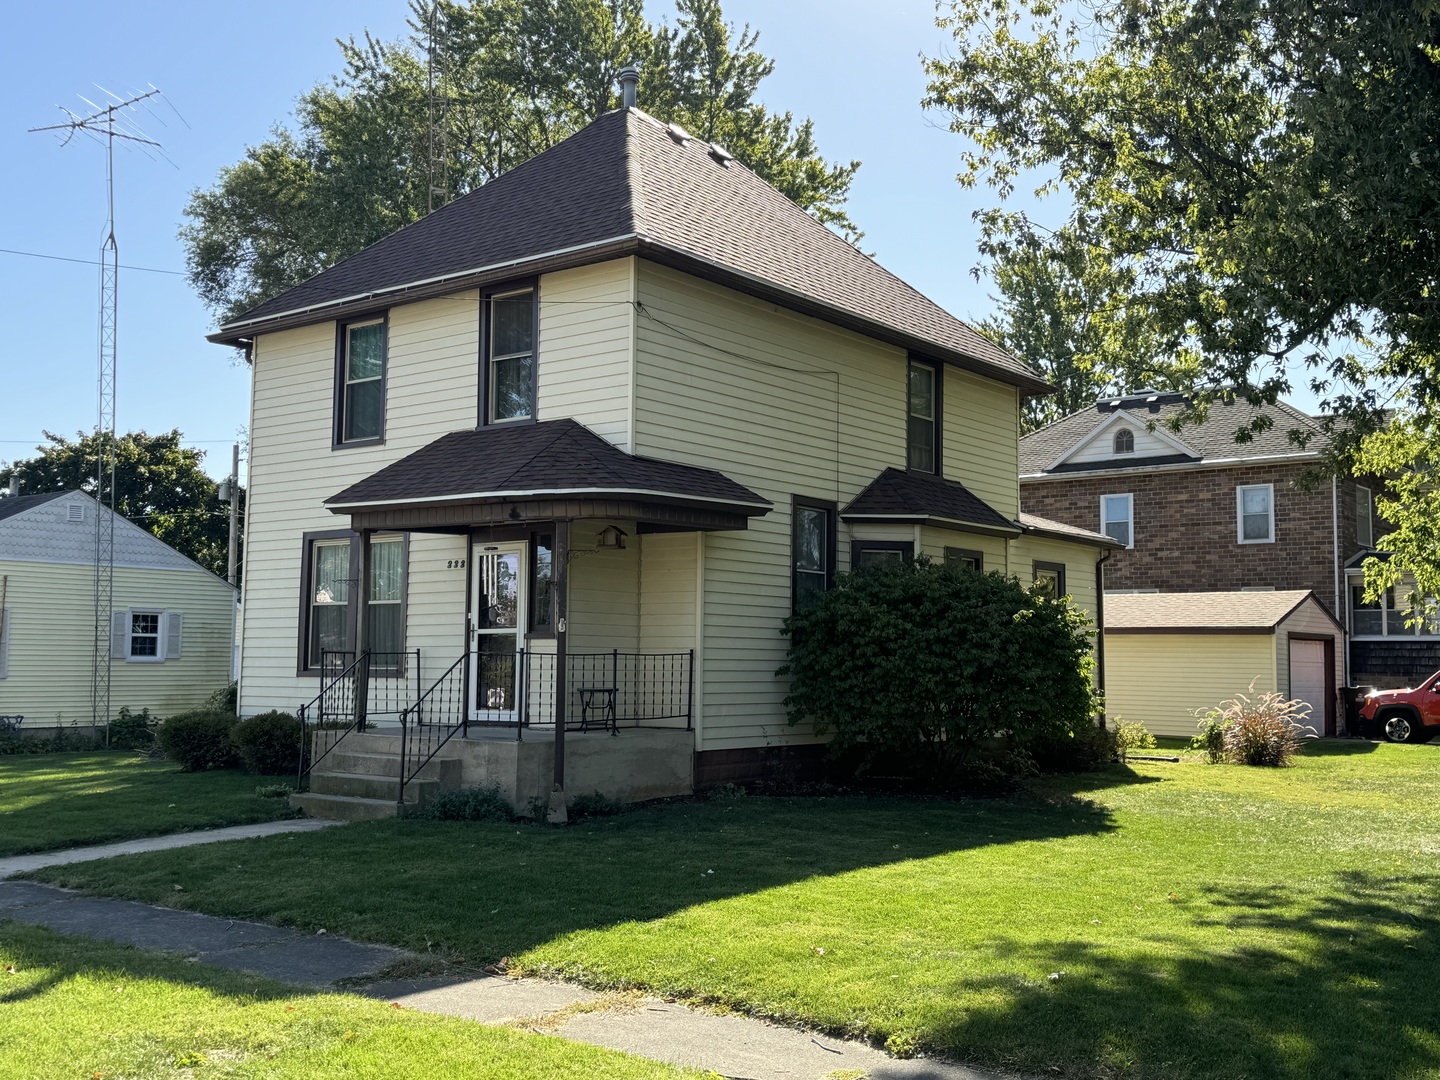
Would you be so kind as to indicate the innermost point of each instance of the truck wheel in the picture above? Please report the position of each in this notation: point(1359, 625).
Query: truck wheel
point(1401, 727)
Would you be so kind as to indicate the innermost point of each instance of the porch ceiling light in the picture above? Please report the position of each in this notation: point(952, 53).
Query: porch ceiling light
point(611, 538)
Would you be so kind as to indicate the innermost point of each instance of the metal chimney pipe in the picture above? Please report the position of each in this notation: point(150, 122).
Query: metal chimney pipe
point(629, 79)
point(14, 483)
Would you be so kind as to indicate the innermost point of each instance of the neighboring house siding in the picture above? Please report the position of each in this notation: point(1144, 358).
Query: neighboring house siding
point(1079, 563)
point(1100, 450)
point(764, 421)
point(980, 441)
point(51, 636)
point(1159, 680)
point(431, 387)
point(1185, 528)
point(586, 325)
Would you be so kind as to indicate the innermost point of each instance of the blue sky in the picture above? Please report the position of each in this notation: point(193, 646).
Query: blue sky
point(234, 70)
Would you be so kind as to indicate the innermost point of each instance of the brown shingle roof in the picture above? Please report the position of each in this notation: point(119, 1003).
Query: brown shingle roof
point(1236, 611)
point(555, 457)
point(621, 186)
point(896, 494)
point(1033, 523)
point(1215, 438)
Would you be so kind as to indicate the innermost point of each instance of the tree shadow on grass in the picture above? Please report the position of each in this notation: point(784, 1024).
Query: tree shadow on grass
point(488, 891)
point(1339, 984)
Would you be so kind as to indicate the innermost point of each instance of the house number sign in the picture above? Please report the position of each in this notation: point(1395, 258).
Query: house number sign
point(454, 564)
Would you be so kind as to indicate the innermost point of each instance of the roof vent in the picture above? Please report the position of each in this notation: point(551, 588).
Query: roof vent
point(629, 79)
point(678, 133)
point(75, 512)
point(720, 154)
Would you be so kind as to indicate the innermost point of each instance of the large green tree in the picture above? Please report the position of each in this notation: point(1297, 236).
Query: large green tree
point(1256, 181)
point(159, 485)
point(481, 86)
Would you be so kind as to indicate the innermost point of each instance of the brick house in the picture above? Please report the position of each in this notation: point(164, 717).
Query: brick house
point(1200, 512)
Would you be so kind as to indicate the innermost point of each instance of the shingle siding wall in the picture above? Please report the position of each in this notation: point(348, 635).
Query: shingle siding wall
point(1393, 663)
point(1185, 529)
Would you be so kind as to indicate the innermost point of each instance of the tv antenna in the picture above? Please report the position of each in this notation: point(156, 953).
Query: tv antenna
point(106, 123)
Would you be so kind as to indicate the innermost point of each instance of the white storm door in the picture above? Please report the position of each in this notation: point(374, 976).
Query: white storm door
point(499, 610)
point(1308, 681)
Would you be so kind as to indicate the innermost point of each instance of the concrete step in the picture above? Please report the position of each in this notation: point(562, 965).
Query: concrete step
point(446, 770)
point(369, 786)
point(343, 807)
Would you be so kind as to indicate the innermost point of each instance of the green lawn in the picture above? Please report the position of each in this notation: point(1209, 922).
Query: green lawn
point(50, 801)
point(1165, 920)
point(74, 1008)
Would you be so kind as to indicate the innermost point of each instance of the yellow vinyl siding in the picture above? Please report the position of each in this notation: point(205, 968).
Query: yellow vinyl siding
point(667, 591)
point(981, 440)
point(750, 389)
point(52, 623)
point(933, 543)
point(585, 348)
point(1079, 560)
point(1160, 679)
point(604, 590)
point(431, 388)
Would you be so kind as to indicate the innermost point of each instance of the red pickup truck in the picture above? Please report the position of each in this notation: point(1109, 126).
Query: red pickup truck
point(1406, 716)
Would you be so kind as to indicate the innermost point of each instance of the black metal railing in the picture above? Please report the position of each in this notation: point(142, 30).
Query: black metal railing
point(604, 691)
point(437, 716)
point(353, 692)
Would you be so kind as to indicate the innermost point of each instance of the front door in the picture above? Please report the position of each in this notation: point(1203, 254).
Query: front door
point(1309, 681)
point(499, 611)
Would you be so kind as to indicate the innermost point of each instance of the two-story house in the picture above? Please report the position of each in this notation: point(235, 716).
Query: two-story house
point(1199, 511)
point(563, 456)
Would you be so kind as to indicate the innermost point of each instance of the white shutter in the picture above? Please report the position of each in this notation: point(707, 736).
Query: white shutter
point(174, 627)
point(4, 642)
point(120, 635)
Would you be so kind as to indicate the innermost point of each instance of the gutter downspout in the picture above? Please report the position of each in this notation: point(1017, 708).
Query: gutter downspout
point(1335, 558)
point(1100, 627)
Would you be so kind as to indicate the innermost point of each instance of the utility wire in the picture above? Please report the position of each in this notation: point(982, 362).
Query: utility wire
point(88, 262)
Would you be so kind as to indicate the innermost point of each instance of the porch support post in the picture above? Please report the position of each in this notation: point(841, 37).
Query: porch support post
point(562, 594)
point(362, 631)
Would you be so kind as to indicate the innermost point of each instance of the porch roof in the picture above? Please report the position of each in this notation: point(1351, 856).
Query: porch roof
point(554, 468)
point(900, 497)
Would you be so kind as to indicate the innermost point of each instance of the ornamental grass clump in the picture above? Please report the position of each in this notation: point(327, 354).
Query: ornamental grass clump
point(1263, 730)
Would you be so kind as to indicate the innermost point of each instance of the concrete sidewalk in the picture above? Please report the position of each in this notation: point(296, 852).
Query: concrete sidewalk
point(21, 864)
point(734, 1046)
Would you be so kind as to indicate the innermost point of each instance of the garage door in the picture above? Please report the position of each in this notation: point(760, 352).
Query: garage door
point(1308, 681)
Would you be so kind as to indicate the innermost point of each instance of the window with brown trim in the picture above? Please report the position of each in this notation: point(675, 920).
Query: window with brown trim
point(361, 354)
point(510, 329)
point(965, 559)
point(922, 417)
point(865, 553)
point(542, 579)
point(330, 571)
point(1050, 576)
point(812, 548)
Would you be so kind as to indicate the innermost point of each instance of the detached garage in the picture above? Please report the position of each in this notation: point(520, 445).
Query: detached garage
point(1169, 654)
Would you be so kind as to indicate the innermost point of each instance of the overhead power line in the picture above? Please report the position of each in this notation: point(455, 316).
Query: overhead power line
point(87, 262)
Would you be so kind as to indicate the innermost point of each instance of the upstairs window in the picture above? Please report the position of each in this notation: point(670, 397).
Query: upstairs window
point(1124, 442)
point(1364, 518)
point(510, 357)
point(922, 409)
point(1050, 577)
point(360, 395)
point(1255, 514)
point(812, 545)
point(1117, 518)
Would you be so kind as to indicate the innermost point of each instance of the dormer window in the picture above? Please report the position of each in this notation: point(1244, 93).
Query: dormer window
point(1124, 441)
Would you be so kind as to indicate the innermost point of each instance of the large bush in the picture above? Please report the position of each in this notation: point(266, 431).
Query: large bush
point(199, 739)
point(931, 665)
point(268, 743)
point(1256, 730)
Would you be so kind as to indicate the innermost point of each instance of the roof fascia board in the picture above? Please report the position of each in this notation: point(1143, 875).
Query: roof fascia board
point(1115, 418)
point(1179, 466)
point(1257, 631)
point(480, 496)
point(1096, 540)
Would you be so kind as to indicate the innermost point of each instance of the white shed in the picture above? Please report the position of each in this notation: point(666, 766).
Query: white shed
point(1170, 654)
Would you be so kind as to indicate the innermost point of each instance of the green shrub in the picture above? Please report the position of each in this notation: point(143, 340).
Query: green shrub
point(593, 805)
point(198, 739)
point(1211, 740)
point(1131, 736)
point(63, 742)
point(226, 699)
point(132, 730)
point(924, 664)
point(1088, 748)
point(1259, 730)
point(468, 804)
point(268, 743)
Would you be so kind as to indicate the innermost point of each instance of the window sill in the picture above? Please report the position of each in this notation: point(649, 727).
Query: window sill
point(1252, 543)
point(355, 443)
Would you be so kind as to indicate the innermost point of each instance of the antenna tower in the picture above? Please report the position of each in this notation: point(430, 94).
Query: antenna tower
point(105, 124)
point(438, 97)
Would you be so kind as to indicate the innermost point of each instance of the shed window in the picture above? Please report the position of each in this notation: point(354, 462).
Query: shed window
point(1117, 518)
point(922, 432)
point(1255, 514)
point(1364, 518)
point(510, 378)
point(1124, 442)
point(361, 396)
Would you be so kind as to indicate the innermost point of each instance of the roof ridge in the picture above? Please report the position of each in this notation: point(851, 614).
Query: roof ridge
point(564, 426)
